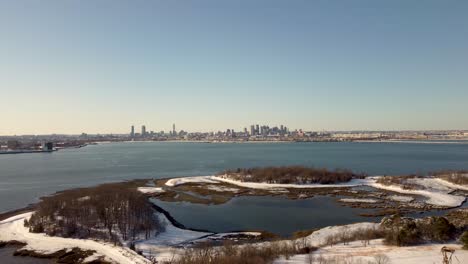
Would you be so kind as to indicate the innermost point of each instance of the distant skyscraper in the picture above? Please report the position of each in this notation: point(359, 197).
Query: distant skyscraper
point(173, 130)
point(252, 130)
point(132, 131)
point(143, 131)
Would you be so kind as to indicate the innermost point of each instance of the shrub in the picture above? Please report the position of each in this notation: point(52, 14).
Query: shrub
point(464, 239)
point(406, 235)
point(442, 229)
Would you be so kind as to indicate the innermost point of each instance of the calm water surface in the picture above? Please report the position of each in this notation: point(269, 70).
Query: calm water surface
point(25, 177)
point(6, 257)
point(278, 215)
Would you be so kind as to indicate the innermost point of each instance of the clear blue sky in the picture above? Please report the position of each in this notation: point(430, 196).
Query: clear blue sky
point(101, 66)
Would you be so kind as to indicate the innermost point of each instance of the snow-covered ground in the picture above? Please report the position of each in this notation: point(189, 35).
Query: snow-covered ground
point(150, 189)
point(357, 200)
point(451, 185)
point(172, 235)
point(356, 252)
point(437, 191)
point(319, 237)
point(221, 188)
point(401, 198)
point(263, 186)
point(435, 197)
point(197, 179)
point(13, 229)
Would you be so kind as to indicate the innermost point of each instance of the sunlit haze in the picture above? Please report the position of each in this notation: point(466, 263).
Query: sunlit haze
point(102, 66)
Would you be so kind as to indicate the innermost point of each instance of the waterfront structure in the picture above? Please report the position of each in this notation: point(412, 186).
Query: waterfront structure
point(174, 132)
point(47, 146)
point(13, 144)
point(143, 130)
point(132, 132)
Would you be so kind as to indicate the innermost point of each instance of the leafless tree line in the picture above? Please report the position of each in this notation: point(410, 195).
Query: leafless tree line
point(111, 212)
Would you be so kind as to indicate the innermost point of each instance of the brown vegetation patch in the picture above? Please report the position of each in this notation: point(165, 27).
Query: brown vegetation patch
point(291, 174)
point(459, 218)
point(456, 177)
point(247, 254)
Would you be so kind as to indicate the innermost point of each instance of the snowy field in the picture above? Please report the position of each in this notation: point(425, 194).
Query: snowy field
point(169, 244)
point(13, 229)
point(355, 252)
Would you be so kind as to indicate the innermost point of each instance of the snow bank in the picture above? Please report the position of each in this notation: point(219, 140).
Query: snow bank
point(263, 186)
point(150, 189)
point(197, 179)
point(434, 197)
point(401, 198)
point(13, 229)
point(320, 236)
point(351, 200)
point(221, 188)
point(172, 235)
point(451, 185)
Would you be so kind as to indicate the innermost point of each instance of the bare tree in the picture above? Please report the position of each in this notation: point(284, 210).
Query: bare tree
point(382, 259)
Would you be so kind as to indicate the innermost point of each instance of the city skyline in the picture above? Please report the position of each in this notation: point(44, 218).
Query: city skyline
point(98, 67)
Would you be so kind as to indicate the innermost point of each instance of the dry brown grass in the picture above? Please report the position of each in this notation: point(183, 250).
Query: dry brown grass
point(246, 254)
point(457, 177)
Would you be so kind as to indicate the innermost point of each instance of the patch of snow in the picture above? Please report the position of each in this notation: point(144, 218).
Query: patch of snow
point(451, 184)
point(222, 235)
point(150, 189)
point(197, 179)
point(352, 200)
point(84, 198)
point(430, 184)
point(434, 197)
point(319, 237)
point(92, 258)
point(401, 198)
point(13, 229)
point(172, 235)
point(266, 186)
point(221, 188)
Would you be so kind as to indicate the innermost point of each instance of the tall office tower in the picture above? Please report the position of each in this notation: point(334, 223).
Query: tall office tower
point(143, 131)
point(257, 129)
point(173, 130)
point(132, 131)
point(252, 130)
